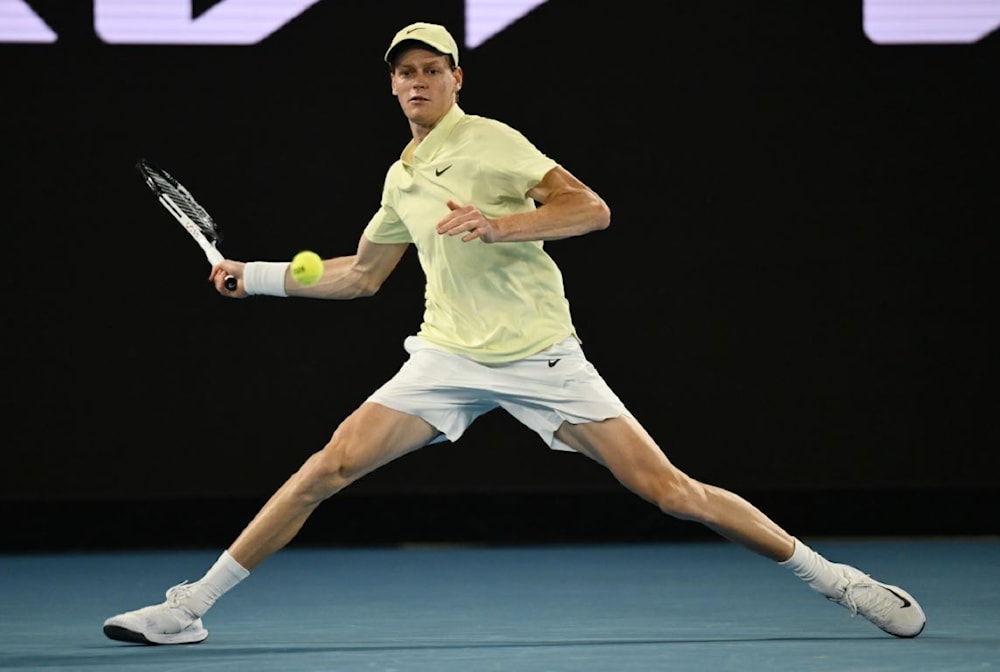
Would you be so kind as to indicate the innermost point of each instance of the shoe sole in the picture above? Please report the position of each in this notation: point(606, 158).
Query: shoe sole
point(120, 634)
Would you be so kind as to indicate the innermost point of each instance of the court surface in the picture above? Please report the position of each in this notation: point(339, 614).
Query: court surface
point(708, 606)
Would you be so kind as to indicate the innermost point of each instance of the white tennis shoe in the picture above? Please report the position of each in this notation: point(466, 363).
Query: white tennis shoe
point(889, 607)
point(167, 623)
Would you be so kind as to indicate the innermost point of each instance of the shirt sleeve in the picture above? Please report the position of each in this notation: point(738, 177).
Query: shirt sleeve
point(385, 226)
point(524, 165)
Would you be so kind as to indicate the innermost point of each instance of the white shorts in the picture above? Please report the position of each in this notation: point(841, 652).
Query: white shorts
point(450, 391)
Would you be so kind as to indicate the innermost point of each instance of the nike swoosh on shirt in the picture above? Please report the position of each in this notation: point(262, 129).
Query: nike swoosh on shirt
point(441, 171)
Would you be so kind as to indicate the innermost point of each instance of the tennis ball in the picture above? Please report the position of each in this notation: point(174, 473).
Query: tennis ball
point(307, 268)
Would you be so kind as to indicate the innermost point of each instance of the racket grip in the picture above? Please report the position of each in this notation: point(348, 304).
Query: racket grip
point(230, 283)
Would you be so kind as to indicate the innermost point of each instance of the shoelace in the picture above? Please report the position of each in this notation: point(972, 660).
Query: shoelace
point(847, 598)
point(179, 593)
point(878, 607)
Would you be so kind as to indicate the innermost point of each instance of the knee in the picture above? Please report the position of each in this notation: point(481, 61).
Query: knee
point(682, 497)
point(329, 470)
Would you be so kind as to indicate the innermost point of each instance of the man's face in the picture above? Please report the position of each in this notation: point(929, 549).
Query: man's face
point(425, 85)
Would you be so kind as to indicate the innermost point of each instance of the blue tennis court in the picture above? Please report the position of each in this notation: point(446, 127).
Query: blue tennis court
point(609, 608)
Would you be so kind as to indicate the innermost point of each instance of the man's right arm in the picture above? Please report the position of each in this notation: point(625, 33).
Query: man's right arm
point(360, 274)
point(348, 277)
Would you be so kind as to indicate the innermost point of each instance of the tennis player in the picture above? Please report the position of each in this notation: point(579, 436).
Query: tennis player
point(478, 200)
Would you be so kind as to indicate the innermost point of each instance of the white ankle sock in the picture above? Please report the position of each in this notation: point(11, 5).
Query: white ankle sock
point(821, 575)
point(218, 580)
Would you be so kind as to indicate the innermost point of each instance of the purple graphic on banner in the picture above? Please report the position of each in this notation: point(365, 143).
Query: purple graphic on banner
point(172, 21)
point(930, 21)
point(229, 22)
point(245, 22)
point(19, 23)
point(486, 18)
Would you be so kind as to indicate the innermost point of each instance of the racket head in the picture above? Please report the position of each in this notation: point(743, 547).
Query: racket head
point(185, 208)
point(167, 187)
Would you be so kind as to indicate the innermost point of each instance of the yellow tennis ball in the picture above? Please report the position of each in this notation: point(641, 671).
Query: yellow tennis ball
point(307, 268)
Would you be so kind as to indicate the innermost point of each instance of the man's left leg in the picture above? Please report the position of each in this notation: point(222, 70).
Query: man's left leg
point(623, 446)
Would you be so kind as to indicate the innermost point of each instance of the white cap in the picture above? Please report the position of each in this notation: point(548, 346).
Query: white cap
point(433, 35)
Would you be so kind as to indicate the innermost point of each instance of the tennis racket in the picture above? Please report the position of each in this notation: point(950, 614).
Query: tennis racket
point(181, 204)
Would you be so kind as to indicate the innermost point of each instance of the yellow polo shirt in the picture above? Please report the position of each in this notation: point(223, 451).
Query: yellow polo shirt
point(494, 302)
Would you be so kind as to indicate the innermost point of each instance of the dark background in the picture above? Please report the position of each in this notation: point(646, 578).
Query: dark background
point(795, 297)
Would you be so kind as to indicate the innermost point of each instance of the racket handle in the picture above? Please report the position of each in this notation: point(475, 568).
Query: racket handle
point(214, 257)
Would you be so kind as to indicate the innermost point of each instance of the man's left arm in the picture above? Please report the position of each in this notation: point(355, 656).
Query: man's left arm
point(567, 207)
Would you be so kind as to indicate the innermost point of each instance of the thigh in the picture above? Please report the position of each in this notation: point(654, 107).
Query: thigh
point(374, 435)
point(623, 446)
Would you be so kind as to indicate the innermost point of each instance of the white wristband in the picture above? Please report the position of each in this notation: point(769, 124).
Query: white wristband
point(265, 278)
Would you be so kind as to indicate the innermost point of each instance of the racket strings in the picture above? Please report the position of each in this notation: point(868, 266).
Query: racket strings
point(181, 199)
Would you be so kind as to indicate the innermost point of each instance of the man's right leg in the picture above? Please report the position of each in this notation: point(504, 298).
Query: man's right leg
point(370, 437)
